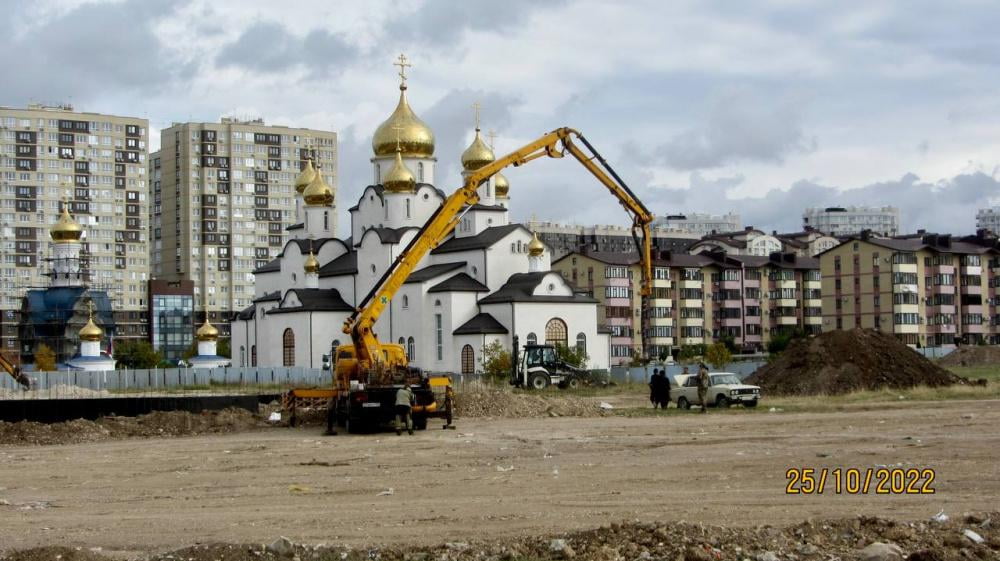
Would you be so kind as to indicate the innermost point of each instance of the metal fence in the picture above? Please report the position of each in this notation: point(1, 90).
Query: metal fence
point(161, 381)
point(641, 374)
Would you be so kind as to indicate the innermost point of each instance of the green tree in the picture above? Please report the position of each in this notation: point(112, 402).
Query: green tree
point(222, 349)
point(137, 354)
point(573, 356)
point(496, 361)
point(45, 358)
point(718, 355)
point(780, 341)
point(689, 353)
point(191, 351)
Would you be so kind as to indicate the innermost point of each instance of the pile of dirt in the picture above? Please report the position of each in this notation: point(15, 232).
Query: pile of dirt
point(57, 391)
point(505, 402)
point(843, 361)
point(155, 424)
point(972, 536)
point(971, 356)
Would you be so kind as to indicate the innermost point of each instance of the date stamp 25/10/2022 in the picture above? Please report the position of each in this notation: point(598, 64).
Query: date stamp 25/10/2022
point(860, 481)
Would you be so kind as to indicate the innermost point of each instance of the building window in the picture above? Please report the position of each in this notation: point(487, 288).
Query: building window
point(288, 348)
point(420, 172)
point(243, 356)
point(253, 355)
point(326, 219)
point(407, 208)
point(439, 336)
point(406, 301)
point(581, 343)
point(468, 360)
point(555, 332)
point(411, 349)
point(532, 339)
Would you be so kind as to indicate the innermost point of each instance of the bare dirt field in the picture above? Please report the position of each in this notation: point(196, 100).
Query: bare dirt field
point(491, 478)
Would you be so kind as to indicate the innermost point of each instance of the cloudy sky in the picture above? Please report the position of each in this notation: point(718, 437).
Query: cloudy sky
point(762, 107)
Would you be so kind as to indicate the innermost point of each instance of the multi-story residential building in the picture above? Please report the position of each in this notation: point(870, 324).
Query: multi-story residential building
point(748, 241)
point(565, 238)
point(698, 299)
point(988, 219)
point(926, 289)
point(699, 224)
point(224, 198)
point(97, 163)
point(852, 220)
point(171, 311)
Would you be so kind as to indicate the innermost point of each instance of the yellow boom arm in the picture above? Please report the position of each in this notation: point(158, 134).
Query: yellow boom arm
point(447, 216)
point(15, 372)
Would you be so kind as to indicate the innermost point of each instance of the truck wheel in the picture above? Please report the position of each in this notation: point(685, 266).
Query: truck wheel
point(750, 403)
point(573, 383)
point(722, 402)
point(683, 403)
point(538, 381)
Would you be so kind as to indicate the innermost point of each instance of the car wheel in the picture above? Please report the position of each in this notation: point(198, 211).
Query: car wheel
point(750, 403)
point(722, 402)
point(683, 403)
point(538, 381)
point(573, 383)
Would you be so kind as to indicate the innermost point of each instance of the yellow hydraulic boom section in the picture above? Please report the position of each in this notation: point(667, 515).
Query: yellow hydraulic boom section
point(555, 144)
point(15, 372)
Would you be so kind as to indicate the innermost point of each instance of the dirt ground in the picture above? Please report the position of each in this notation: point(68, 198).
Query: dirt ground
point(491, 478)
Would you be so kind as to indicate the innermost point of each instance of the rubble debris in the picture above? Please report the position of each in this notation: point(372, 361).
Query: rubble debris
point(505, 402)
point(879, 551)
point(842, 361)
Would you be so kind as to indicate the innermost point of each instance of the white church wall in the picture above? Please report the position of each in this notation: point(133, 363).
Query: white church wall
point(344, 284)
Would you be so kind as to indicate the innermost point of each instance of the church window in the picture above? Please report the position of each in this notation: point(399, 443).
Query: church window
point(288, 348)
point(439, 336)
point(407, 207)
point(555, 332)
point(437, 303)
point(426, 196)
point(378, 174)
point(253, 355)
point(243, 356)
point(581, 343)
point(532, 339)
point(406, 301)
point(512, 247)
point(475, 271)
point(326, 219)
point(402, 342)
point(373, 268)
point(420, 172)
point(468, 360)
point(411, 349)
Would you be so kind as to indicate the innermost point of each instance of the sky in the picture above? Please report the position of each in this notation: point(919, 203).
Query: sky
point(759, 107)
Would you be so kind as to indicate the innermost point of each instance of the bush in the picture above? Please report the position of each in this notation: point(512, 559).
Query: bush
point(718, 355)
point(137, 354)
point(779, 342)
point(496, 361)
point(45, 358)
point(572, 356)
point(691, 352)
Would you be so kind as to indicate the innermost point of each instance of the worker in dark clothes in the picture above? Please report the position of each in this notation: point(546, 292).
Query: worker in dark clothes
point(653, 381)
point(404, 408)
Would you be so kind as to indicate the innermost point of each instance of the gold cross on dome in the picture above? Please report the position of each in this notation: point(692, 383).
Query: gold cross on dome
point(90, 308)
point(475, 108)
point(402, 64)
point(492, 135)
point(397, 127)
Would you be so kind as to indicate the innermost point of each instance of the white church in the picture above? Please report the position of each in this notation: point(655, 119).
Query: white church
point(487, 282)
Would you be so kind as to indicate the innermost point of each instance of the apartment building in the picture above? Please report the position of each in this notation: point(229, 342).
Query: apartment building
point(700, 224)
point(223, 200)
point(698, 299)
point(852, 220)
point(563, 239)
point(97, 163)
point(988, 219)
point(928, 290)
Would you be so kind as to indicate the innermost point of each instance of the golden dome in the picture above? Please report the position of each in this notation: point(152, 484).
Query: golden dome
point(305, 178)
point(501, 185)
point(400, 178)
point(66, 229)
point(535, 246)
point(318, 193)
point(477, 155)
point(312, 264)
point(207, 331)
point(415, 138)
point(91, 332)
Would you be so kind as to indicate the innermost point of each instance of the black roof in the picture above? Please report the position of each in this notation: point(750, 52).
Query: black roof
point(484, 239)
point(378, 191)
point(459, 283)
point(269, 297)
point(482, 323)
point(520, 287)
point(390, 235)
point(247, 313)
point(431, 271)
point(272, 266)
point(346, 264)
point(304, 245)
point(497, 208)
point(316, 300)
point(298, 226)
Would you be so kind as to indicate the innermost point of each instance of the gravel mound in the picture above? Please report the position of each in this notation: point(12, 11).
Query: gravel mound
point(155, 424)
point(971, 356)
point(823, 540)
point(843, 361)
point(505, 402)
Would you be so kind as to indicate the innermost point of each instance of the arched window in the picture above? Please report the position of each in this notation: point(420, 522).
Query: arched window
point(406, 301)
point(420, 172)
point(288, 348)
point(437, 303)
point(407, 208)
point(243, 355)
point(468, 360)
point(402, 342)
point(581, 342)
point(555, 332)
point(411, 349)
point(378, 174)
point(253, 355)
point(532, 339)
point(326, 219)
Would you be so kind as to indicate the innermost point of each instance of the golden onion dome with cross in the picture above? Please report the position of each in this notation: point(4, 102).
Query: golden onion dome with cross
point(535, 246)
point(66, 229)
point(305, 177)
point(207, 331)
point(415, 138)
point(477, 155)
point(501, 185)
point(399, 179)
point(311, 265)
point(318, 193)
point(91, 332)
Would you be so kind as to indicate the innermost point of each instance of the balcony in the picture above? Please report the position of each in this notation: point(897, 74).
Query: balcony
point(787, 320)
point(904, 288)
point(730, 322)
point(814, 320)
point(692, 340)
point(812, 284)
point(691, 303)
point(904, 268)
point(786, 303)
point(690, 284)
point(660, 341)
point(690, 322)
point(909, 328)
point(785, 284)
point(730, 284)
point(906, 308)
point(662, 283)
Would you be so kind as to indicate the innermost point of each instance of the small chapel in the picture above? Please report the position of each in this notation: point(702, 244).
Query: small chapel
point(489, 281)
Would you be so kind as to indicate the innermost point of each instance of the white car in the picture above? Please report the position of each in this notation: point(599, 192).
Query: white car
point(725, 390)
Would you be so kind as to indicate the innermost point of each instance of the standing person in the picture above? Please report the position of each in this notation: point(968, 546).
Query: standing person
point(703, 383)
point(653, 380)
point(404, 406)
point(665, 394)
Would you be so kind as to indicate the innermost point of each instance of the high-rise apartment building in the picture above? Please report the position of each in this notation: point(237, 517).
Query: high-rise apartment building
point(223, 200)
point(97, 163)
point(988, 219)
point(566, 238)
point(701, 224)
point(852, 220)
point(926, 289)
